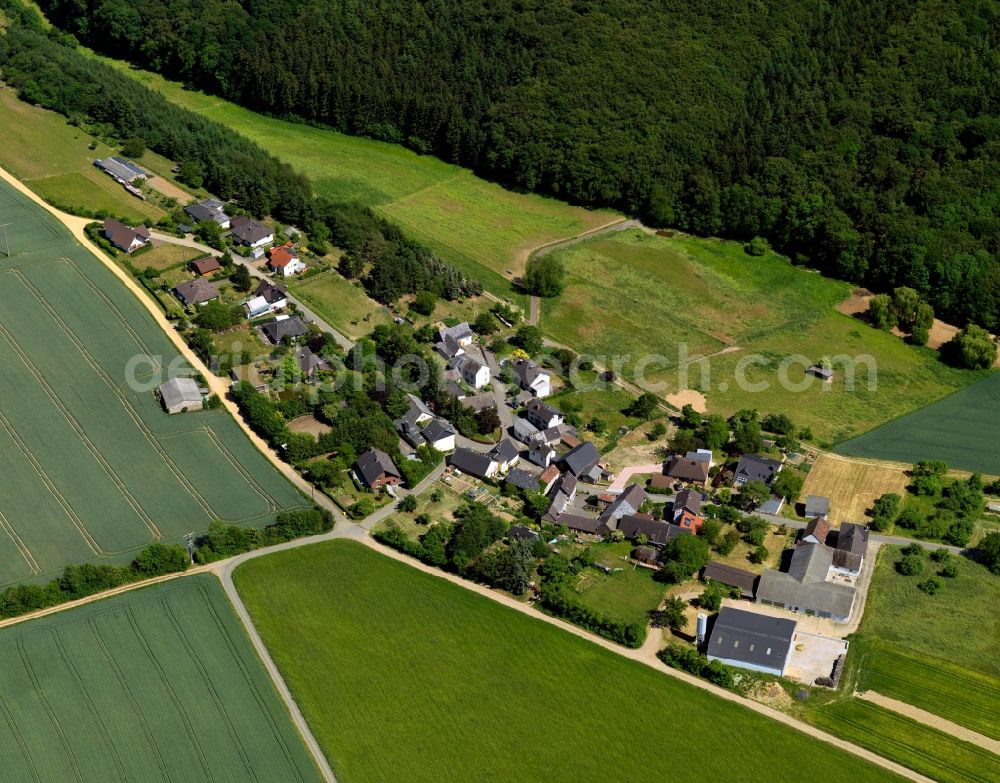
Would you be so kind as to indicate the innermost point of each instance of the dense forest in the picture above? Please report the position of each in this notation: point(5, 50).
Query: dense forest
point(861, 137)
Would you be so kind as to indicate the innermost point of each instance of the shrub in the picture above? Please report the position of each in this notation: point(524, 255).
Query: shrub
point(949, 570)
point(930, 586)
point(910, 565)
point(408, 504)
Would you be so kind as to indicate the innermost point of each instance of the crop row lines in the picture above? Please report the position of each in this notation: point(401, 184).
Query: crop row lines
point(150, 437)
point(50, 485)
point(21, 546)
point(271, 501)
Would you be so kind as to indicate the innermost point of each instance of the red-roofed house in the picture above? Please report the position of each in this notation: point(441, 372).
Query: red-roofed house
point(689, 521)
point(285, 262)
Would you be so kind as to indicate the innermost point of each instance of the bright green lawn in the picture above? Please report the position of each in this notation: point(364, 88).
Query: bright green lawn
point(940, 652)
point(926, 750)
point(628, 595)
point(633, 294)
point(155, 685)
point(54, 158)
point(405, 677)
point(476, 225)
point(165, 256)
point(343, 305)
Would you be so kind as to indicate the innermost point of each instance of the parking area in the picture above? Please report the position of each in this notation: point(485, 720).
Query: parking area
point(813, 656)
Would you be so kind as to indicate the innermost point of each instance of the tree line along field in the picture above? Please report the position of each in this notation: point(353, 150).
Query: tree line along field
point(91, 469)
point(962, 430)
point(633, 293)
point(477, 226)
point(491, 694)
point(55, 160)
point(157, 684)
point(939, 652)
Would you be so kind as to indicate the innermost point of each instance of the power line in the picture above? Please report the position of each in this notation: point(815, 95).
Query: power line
point(6, 243)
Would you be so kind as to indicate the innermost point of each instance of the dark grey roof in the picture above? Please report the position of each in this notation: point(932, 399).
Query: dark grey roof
point(522, 479)
point(543, 410)
point(805, 585)
point(853, 538)
point(817, 506)
point(580, 523)
point(566, 484)
point(582, 458)
point(757, 639)
point(688, 500)
point(196, 291)
point(633, 496)
point(520, 531)
point(526, 371)
point(656, 531)
point(201, 213)
point(120, 168)
point(732, 576)
point(437, 429)
point(309, 361)
point(504, 451)
point(249, 231)
point(410, 432)
point(272, 293)
point(754, 467)
point(457, 332)
point(122, 236)
point(277, 331)
point(471, 462)
point(373, 463)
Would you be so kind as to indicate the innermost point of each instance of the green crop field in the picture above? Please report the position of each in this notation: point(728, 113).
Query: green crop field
point(91, 469)
point(919, 747)
point(938, 652)
point(963, 430)
point(53, 157)
point(157, 684)
point(405, 677)
point(633, 294)
point(479, 227)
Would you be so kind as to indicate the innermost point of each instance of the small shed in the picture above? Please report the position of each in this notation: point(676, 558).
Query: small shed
point(180, 395)
point(823, 373)
point(817, 506)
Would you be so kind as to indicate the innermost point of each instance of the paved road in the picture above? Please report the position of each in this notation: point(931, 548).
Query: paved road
point(499, 393)
point(257, 273)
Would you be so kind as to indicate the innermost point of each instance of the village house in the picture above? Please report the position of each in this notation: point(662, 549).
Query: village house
point(461, 334)
point(521, 533)
point(267, 299)
point(308, 362)
point(851, 549)
point(656, 531)
point(523, 430)
point(543, 415)
point(563, 493)
point(753, 467)
point(205, 266)
point(410, 424)
point(541, 453)
point(627, 503)
point(285, 261)
point(474, 373)
point(251, 233)
point(816, 531)
point(547, 478)
point(284, 327)
point(506, 455)
point(208, 210)
point(478, 402)
point(180, 395)
point(473, 463)
point(124, 238)
point(689, 471)
point(375, 469)
point(530, 377)
point(584, 463)
point(439, 435)
point(192, 293)
point(757, 642)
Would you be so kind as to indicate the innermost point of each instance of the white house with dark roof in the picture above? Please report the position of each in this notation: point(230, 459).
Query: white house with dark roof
point(250, 232)
point(439, 434)
point(474, 373)
point(125, 238)
point(208, 210)
point(541, 453)
point(506, 455)
point(543, 415)
point(531, 377)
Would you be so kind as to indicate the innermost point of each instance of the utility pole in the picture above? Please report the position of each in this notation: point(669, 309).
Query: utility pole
point(189, 540)
point(5, 242)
